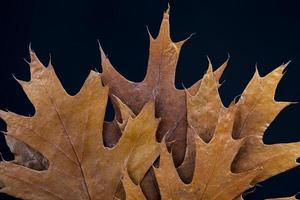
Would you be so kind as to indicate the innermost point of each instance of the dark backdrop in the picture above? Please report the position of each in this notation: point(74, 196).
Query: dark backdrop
point(251, 31)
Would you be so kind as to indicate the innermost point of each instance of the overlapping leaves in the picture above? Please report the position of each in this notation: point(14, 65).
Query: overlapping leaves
point(67, 131)
point(216, 152)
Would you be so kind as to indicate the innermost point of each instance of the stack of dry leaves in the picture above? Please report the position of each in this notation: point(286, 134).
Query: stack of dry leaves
point(164, 143)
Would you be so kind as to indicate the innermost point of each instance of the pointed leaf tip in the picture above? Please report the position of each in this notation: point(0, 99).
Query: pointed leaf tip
point(21, 82)
point(167, 12)
point(102, 53)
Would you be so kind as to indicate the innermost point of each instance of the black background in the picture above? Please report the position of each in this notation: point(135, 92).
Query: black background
point(251, 31)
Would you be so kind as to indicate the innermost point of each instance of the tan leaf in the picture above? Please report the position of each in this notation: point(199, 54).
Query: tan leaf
point(223, 157)
point(204, 107)
point(203, 110)
point(212, 178)
point(133, 192)
point(125, 112)
point(170, 102)
point(256, 109)
point(158, 83)
point(138, 165)
point(67, 130)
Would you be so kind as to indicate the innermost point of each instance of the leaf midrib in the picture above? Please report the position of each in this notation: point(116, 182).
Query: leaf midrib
point(69, 139)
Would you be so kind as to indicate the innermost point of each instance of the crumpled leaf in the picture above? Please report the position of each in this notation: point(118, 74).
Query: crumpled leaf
point(212, 177)
point(67, 130)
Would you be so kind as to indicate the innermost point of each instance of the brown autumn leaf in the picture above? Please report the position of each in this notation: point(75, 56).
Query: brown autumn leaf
point(67, 130)
point(132, 191)
point(256, 109)
point(254, 112)
point(212, 177)
point(158, 84)
point(204, 107)
point(218, 151)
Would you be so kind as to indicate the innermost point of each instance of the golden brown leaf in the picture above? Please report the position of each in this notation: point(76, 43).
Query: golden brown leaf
point(125, 112)
point(158, 84)
point(256, 109)
point(203, 110)
point(212, 178)
point(224, 154)
point(133, 192)
point(204, 107)
point(67, 130)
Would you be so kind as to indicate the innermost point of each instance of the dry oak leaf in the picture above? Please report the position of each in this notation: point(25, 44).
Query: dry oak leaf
point(256, 109)
point(204, 107)
point(170, 102)
point(203, 111)
point(26, 156)
point(158, 84)
point(133, 191)
point(67, 130)
point(212, 177)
